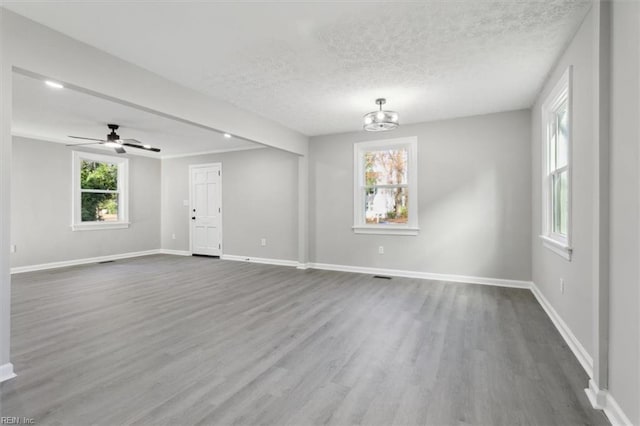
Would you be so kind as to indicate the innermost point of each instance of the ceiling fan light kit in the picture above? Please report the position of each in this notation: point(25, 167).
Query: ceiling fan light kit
point(113, 141)
point(380, 121)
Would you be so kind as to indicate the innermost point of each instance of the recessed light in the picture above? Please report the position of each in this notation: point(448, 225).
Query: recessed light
point(227, 135)
point(54, 84)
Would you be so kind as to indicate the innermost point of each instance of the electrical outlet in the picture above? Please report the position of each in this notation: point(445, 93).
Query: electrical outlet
point(381, 250)
point(185, 203)
point(12, 248)
point(173, 236)
point(263, 242)
point(562, 285)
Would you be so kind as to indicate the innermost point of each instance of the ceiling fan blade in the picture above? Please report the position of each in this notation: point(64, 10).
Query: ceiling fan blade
point(146, 148)
point(119, 150)
point(86, 143)
point(89, 139)
point(132, 141)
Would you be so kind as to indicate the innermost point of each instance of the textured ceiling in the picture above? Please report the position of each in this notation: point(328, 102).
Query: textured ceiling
point(50, 114)
point(317, 67)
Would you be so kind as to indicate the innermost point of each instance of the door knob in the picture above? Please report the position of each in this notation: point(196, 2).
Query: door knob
point(193, 217)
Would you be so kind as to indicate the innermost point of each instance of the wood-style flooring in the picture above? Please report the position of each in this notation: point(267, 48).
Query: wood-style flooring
point(183, 341)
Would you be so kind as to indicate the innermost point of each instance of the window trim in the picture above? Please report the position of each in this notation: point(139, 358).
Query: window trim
point(123, 192)
point(359, 224)
point(555, 242)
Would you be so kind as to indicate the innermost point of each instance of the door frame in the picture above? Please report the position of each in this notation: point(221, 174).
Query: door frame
point(189, 211)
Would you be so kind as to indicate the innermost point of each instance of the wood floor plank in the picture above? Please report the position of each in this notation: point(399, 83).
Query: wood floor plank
point(171, 340)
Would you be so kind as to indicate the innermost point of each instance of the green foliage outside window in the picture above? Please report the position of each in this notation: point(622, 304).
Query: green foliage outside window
point(101, 177)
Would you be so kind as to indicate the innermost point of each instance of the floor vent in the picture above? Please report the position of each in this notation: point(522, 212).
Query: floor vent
point(106, 261)
point(382, 277)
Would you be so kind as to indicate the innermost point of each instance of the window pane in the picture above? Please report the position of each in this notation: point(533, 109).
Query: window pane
point(388, 167)
point(560, 203)
point(553, 129)
point(386, 205)
point(96, 175)
point(562, 144)
point(99, 207)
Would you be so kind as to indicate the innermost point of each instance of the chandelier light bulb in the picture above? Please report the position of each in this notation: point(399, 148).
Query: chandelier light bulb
point(381, 120)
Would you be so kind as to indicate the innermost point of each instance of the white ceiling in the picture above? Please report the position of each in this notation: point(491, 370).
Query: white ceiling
point(41, 112)
point(317, 67)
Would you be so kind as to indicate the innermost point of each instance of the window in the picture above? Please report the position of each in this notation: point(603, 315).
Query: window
point(556, 176)
point(99, 191)
point(385, 187)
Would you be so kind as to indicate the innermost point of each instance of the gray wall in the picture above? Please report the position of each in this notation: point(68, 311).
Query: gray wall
point(474, 182)
point(575, 305)
point(624, 352)
point(259, 200)
point(41, 193)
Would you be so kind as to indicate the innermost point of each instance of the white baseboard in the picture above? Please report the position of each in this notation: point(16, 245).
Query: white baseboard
point(64, 263)
point(176, 252)
point(423, 275)
point(597, 397)
point(250, 259)
point(572, 341)
point(378, 271)
point(602, 400)
point(6, 372)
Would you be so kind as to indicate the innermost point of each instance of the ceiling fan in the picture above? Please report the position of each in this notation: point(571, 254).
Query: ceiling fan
point(113, 141)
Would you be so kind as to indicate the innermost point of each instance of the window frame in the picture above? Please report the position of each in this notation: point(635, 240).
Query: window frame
point(561, 94)
point(360, 226)
point(123, 192)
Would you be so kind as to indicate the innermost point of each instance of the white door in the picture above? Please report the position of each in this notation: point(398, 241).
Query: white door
point(206, 209)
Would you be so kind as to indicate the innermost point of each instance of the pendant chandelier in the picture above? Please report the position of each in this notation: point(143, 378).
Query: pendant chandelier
point(380, 121)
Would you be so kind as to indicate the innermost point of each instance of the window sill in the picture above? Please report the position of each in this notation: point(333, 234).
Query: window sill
point(96, 226)
point(557, 247)
point(386, 230)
